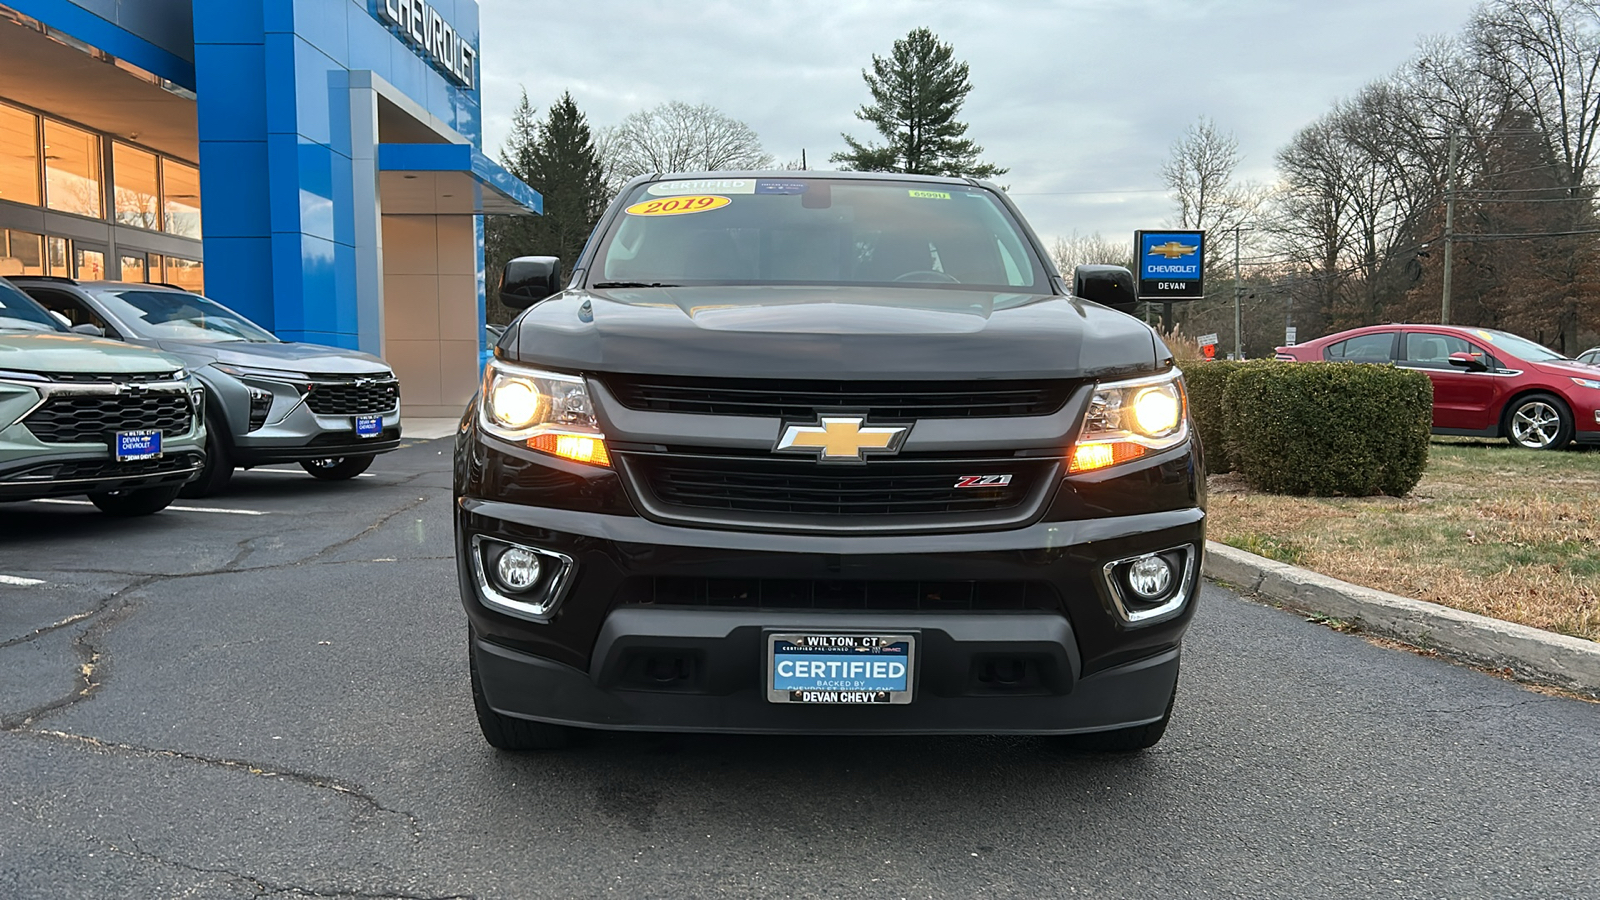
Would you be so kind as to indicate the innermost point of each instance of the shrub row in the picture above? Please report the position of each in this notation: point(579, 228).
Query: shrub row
point(1325, 429)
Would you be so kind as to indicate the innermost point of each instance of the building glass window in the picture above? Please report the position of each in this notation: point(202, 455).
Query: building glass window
point(19, 156)
point(55, 256)
point(22, 254)
point(181, 193)
point(133, 268)
point(88, 265)
point(188, 274)
point(72, 170)
point(137, 188)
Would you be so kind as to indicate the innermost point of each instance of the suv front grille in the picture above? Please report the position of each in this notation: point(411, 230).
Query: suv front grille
point(94, 418)
point(790, 489)
point(879, 400)
point(352, 398)
point(94, 469)
point(775, 593)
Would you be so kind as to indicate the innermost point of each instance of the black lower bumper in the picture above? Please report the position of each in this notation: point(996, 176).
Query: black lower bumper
point(663, 627)
point(326, 446)
point(93, 474)
point(718, 684)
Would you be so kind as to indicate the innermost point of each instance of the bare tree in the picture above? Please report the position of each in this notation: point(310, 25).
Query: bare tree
point(1545, 55)
point(1090, 250)
point(678, 137)
point(1200, 174)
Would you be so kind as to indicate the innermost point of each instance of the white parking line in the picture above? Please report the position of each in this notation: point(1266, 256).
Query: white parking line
point(204, 509)
point(298, 472)
point(19, 581)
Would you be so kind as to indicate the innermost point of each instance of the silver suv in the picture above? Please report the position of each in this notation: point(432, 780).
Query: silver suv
point(268, 401)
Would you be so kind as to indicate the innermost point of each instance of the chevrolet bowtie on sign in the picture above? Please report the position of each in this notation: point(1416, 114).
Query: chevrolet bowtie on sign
point(1171, 264)
point(841, 439)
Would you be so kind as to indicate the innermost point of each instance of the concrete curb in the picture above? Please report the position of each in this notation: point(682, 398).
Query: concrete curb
point(1532, 654)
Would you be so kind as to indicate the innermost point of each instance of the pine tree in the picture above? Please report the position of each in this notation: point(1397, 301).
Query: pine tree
point(916, 95)
point(556, 157)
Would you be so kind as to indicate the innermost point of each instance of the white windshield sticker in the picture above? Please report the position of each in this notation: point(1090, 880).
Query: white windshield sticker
point(702, 186)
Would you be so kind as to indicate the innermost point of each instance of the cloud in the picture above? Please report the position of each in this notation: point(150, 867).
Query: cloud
point(1077, 97)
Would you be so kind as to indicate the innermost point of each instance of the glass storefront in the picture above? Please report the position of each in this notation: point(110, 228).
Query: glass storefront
point(19, 156)
point(21, 253)
point(137, 187)
point(71, 170)
point(181, 192)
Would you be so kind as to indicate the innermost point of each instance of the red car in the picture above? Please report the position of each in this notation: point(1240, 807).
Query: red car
point(1486, 383)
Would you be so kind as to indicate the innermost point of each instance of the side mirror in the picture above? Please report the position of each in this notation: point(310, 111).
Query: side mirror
point(90, 329)
point(1106, 285)
point(1469, 361)
point(528, 279)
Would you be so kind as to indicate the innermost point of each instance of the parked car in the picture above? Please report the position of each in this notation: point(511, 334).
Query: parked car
point(1486, 383)
point(269, 401)
point(85, 416)
point(801, 452)
point(1590, 357)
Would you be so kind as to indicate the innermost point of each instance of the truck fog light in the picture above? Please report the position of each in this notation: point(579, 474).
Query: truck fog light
point(517, 570)
point(1149, 577)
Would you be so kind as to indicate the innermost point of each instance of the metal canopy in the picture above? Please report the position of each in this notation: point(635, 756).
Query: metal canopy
point(450, 179)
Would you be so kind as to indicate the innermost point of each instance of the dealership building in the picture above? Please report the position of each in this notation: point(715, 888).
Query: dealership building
point(315, 164)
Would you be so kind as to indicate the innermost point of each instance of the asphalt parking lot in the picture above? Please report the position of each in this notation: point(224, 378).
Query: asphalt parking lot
point(264, 694)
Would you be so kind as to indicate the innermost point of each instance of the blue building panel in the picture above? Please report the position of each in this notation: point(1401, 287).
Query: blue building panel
point(157, 44)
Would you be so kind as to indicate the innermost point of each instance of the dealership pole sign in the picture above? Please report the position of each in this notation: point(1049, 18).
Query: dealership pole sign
point(1171, 264)
point(421, 26)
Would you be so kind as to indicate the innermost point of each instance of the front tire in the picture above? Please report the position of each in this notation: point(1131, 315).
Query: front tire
point(1538, 422)
point(507, 732)
point(142, 502)
point(218, 470)
point(338, 468)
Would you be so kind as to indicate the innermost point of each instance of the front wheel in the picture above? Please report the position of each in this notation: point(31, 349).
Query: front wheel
point(338, 468)
point(140, 502)
point(1539, 422)
point(218, 470)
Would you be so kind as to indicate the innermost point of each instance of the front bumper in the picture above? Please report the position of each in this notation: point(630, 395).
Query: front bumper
point(1069, 664)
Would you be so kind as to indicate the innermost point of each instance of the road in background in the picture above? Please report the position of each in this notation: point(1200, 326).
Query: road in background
point(210, 705)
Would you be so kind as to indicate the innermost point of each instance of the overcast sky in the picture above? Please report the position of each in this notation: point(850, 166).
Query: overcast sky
point(1081, 99)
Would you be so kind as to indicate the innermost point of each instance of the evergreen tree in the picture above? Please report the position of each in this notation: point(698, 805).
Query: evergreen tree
point(556, 157)
point(916, 95)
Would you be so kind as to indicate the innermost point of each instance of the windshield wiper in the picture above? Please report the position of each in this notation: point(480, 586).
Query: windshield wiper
point(631, 284)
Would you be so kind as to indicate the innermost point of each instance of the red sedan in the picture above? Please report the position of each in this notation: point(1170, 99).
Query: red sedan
point(1486, 383)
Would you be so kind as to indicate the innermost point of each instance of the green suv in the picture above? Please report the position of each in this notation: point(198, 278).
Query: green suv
point(84, 416)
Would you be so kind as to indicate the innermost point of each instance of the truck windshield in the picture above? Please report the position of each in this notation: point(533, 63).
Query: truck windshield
point(816, 231)
point(180, 316)
point(19, 312)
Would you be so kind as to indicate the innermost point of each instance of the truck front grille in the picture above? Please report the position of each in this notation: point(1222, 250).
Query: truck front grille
point(891, 495)
point(776, 593)
point(94, 418)
point(893, 400)
point(353, 398)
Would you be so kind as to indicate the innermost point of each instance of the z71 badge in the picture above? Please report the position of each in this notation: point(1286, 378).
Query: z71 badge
point(982, 481)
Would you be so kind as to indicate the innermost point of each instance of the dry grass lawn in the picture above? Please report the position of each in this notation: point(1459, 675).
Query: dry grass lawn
point(1509, 533)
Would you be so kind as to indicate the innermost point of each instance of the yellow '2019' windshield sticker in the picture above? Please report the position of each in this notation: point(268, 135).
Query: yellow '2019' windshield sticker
point(677, 206)
point(929, 195)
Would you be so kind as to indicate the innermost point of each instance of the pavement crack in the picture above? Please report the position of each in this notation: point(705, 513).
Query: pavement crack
point(265, 888)
point(256, 770)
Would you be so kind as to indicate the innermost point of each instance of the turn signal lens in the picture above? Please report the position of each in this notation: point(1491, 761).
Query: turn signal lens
point(1088, 457)
point(576, 447)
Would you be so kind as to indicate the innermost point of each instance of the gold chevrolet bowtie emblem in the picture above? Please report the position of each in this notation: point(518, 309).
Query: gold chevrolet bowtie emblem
point(1173, 250)
point(841, 439)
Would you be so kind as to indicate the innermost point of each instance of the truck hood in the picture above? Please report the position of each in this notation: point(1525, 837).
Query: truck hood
point(76, 354)
point(830, 333)
point(313, 359)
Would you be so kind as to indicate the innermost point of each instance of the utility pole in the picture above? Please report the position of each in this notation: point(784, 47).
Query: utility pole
point(1238, 292)
point(1449, 228)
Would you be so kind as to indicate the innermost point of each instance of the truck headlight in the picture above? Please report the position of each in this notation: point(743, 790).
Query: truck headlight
point(1128, 419)
point(546, 411)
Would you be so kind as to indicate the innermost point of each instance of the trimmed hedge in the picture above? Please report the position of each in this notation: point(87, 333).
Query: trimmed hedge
point(1205, 382)
point(1328, 429)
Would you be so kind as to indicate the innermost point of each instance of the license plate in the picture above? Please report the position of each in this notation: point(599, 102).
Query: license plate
point(839, 669)
point(132, 445)
point(369, 426)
